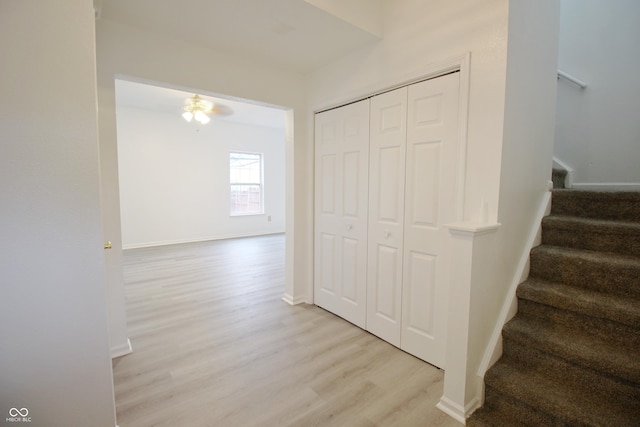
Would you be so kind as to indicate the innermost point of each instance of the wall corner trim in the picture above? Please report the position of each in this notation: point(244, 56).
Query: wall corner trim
point(456, 411)
point(122, 350)
point(294, 301)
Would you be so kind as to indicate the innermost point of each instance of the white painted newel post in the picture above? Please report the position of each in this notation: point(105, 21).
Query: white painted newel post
point(462, 390)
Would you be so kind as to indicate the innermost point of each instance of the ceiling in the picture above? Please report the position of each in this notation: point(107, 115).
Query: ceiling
point(290, 33)
point(167, 100)
point(286, 33)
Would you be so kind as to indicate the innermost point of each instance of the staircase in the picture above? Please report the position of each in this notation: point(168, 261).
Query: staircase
point(571, 355)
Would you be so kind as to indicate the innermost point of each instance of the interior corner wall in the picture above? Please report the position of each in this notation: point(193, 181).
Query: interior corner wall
point(527, 151)
point(364, 14)
point(417, 35)
point(174, 178)
point(55, 366)
point(598, 133)
point(123, 50)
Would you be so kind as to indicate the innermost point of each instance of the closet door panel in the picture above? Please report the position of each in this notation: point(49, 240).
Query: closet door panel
point(425, 161)
point(386, 214)
point(341, 177)
point(387, 285)
point(327, 187)
point(420, 289)
point(325, 262)
point(430, 202)
point(352, 195)
point(350, 264)
point(390, 177)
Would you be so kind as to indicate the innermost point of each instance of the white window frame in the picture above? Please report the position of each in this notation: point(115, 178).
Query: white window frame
point(259, 184)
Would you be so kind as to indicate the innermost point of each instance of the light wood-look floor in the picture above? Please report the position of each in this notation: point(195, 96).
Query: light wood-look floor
point(214, 345)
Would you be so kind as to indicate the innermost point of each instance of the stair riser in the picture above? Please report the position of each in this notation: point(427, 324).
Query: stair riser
point(621, 206)
point(601, 354)
point(576, 271)
point(531, 358)
point(558, 177)
point(562, 318)
point(592, 238)
point(568, 409)
point(518, 413)
point(596, 305)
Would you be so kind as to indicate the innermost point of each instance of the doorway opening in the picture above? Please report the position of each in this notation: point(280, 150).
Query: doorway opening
point(174, 174)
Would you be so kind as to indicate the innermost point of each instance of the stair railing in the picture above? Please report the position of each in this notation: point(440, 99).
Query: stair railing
point(571, 79)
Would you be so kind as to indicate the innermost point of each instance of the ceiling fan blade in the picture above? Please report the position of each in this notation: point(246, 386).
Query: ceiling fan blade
point(220, 110)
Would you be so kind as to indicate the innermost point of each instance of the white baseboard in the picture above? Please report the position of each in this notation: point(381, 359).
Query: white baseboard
point(202, 239)
point(456, 411)
point(122, 350)
point(610, 186)
point(294, 301)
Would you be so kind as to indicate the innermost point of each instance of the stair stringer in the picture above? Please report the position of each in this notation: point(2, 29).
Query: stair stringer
point(493, 351)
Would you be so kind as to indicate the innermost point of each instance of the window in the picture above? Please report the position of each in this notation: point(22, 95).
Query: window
point(245, 180)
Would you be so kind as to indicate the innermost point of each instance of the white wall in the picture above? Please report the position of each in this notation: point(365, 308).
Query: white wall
point(54, 355)
point(174, 178)
point(598, 133)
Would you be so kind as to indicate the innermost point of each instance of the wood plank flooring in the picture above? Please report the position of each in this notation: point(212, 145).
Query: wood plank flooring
point(214, 345)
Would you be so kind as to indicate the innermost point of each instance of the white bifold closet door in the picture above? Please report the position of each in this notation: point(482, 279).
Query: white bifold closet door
point(386, 214)
point(386, 183)
point(412, 194)
point(430, 202)
point(341, 177)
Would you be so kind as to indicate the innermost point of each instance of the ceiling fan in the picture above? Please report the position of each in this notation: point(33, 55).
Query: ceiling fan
point(200, 109)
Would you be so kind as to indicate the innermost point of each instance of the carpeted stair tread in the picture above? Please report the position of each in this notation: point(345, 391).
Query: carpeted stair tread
point(584, 301)
point(620, 237)
point(571, 395)
point(613, 205)
point(605, 272)
point(613, 351)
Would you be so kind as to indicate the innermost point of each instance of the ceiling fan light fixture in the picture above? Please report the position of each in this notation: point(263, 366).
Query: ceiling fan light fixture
point(201, 117)
point(188, 115)
point(197, 108)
